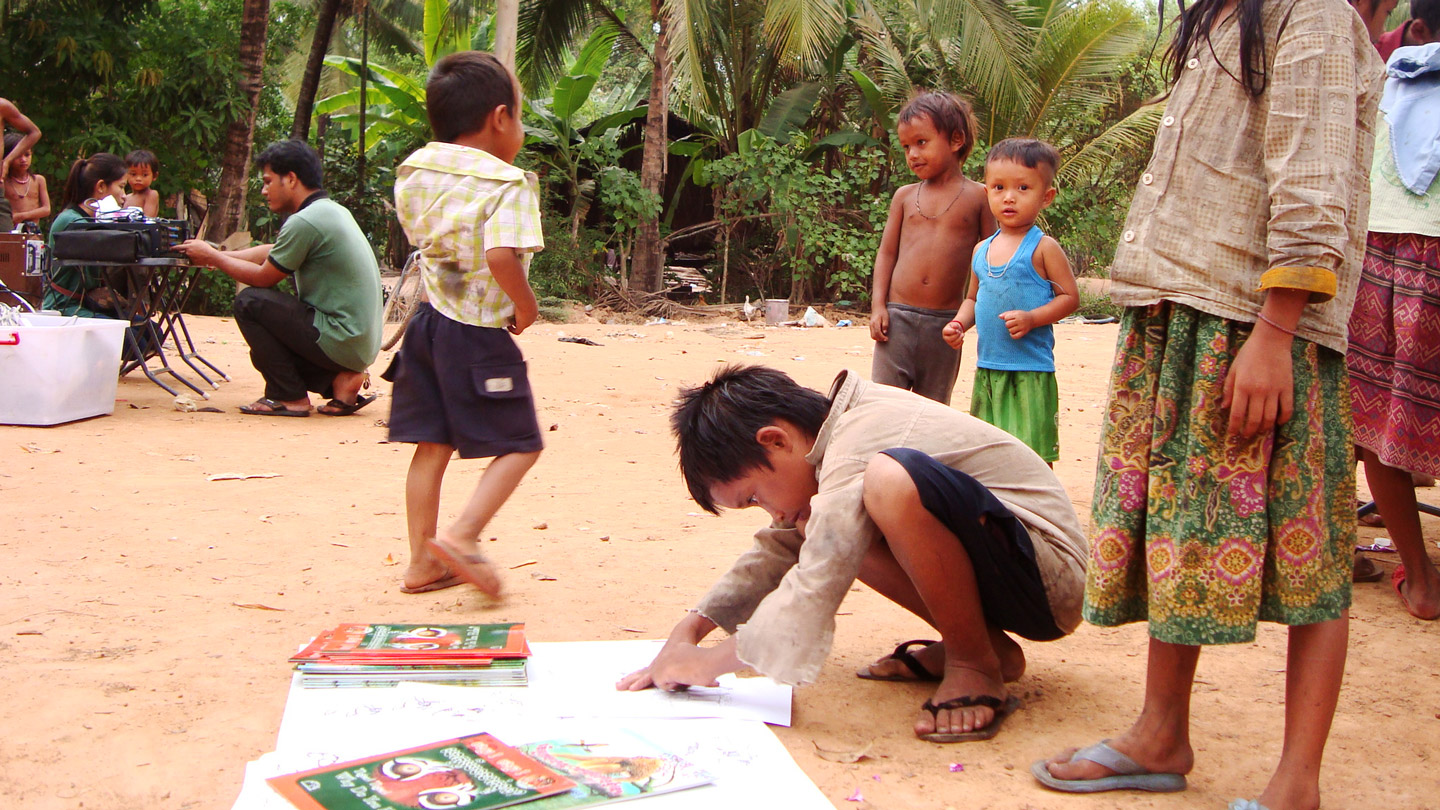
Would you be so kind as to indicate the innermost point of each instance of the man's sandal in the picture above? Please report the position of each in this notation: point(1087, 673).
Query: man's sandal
point(1002, 708)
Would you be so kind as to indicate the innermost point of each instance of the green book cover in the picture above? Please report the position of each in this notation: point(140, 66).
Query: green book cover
point(470, 773)
point(622, 766)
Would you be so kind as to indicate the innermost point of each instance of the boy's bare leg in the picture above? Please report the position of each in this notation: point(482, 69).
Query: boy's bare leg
point(1314, 668)
point(882, 572)
point(1395, 496)
point(1160, 739)
point(422, 511)
point(940, 571)
point(497, 483)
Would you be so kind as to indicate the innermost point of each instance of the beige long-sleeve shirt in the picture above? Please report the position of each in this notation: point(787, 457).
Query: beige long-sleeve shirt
point(780, 597)
point(1246, 194)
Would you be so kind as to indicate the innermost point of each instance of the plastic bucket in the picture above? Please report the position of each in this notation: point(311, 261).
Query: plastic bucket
point(777, 310)
point(55, 370)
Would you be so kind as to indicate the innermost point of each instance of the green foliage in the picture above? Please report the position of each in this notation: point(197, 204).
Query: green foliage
point(1097, 305)
point(567, 267)
point(825, 218)
point(127, 74)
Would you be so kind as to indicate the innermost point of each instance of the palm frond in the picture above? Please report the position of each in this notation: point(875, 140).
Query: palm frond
point(1131, 135)
point(1080, 52)
point(546, 29)
point(807, 29)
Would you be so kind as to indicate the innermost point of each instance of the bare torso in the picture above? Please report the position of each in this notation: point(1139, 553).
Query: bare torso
point(932, 266)
point(23, 196)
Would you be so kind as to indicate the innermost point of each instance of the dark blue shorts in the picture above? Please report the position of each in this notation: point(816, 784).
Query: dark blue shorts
point(464, 386)
point(1012, 594)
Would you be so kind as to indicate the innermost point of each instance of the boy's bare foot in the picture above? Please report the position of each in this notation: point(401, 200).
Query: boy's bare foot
point(962, 680)
point(424, 573)
point(1419, 592)
point(932, 659)
point(464, 559)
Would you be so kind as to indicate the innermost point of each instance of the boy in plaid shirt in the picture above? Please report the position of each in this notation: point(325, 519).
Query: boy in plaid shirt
point(460, 381)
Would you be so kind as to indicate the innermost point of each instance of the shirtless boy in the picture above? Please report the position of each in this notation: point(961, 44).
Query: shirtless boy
point(25, 190)
point(922, 269)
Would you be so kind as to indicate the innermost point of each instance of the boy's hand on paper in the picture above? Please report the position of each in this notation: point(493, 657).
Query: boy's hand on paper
point(1019, 322)
point(680, 666)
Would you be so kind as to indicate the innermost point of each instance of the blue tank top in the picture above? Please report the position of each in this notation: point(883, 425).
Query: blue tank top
point(1013, 285)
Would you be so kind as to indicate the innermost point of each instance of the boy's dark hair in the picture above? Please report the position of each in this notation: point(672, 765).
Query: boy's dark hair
point(463, 89)
point(1030, 152)
point(143, 157)
point(12, 140)
point(294, 156)
point(715, 424)
point(1429, 11)
point(101, 167)
point(948, 112)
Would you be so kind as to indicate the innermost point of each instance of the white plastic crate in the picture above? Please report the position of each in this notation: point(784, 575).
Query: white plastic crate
point(56, 369)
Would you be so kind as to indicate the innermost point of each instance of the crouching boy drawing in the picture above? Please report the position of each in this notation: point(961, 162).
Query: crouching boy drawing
point(950, 518)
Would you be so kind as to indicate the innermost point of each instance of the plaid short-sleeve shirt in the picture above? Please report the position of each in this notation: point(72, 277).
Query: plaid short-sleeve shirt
point(1243, 193)
point(455, 203)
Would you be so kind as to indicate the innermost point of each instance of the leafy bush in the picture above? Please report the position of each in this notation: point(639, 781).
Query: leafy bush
point(567, 268)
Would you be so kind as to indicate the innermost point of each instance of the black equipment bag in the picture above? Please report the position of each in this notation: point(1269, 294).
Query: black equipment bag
point(99, 245)
point(157, 237)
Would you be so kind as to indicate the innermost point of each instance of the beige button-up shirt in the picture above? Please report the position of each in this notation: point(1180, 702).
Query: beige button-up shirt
point(780, 598)
point(1244, 194)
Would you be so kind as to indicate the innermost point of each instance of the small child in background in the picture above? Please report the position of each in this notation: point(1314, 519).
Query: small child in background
point(1022, 284)
point(26, 192)
point(922, 268)
point(143, 168)
point(460, 379)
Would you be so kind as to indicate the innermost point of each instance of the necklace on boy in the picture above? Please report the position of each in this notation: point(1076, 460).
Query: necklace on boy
point(942, 213)
point(17, 181)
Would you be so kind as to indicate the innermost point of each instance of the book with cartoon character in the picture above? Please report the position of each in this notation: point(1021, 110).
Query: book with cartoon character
point(622, 766)
point(416, 644)
point(477, 772)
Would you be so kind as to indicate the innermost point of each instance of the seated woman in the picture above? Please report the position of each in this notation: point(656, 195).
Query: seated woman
point(81, 290)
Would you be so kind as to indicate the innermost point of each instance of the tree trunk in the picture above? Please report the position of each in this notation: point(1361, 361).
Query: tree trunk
point(310, 82)
point(229, 205)
point(507, 17)
point(649, 269)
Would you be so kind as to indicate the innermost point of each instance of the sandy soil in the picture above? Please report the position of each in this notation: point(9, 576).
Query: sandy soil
point(143, 671)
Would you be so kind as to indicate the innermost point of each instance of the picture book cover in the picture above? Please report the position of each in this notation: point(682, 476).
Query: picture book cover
point(437, 643)
point(621, 767)
point(470, 773)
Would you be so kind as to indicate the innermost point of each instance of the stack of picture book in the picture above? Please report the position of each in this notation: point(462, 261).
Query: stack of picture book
point(479, 772)
point(386, 654)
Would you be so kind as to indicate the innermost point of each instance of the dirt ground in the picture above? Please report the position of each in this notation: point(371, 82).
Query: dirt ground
point(146, 611)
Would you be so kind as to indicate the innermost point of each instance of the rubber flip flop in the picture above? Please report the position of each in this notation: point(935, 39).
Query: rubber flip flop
point(1129, 774)
point(1002, 710)
point(438, 585)
point(338, 408)
point(903, 655)
point(1364, 569)
point(273, 409)
point(1247, 804)
point(472, 568)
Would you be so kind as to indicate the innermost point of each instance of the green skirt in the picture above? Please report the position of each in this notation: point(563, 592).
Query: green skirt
point(1203, 533)
point(1025, 404)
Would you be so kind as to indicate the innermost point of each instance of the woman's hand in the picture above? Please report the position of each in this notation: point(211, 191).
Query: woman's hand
point(1259, 389)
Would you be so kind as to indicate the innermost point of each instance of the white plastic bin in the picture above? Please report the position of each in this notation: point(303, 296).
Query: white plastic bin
point(55, 369)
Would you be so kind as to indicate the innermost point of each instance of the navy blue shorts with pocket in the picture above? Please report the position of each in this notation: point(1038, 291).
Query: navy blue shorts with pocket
point(464, 386)
point(1012, 593)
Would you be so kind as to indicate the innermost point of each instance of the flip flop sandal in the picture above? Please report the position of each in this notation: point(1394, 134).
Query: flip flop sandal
point(274, 408)
point(438, 585)
point(1129, 774)
point(338, 408)
point(1247, 804)
point(1003, 709)
point(465, 567)
point(1364, 569)
point(902, 654)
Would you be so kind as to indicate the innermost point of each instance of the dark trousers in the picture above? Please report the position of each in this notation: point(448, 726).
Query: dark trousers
point(1012, 593)
point(284, 344)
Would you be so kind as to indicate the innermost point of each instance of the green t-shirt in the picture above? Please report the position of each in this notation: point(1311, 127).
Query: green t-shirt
point(335, 272)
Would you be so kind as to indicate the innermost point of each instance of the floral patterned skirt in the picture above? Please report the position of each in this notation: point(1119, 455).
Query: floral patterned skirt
point(1203, 533)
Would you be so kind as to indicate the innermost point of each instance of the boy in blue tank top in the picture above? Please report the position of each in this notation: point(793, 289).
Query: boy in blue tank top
point(1020, 286)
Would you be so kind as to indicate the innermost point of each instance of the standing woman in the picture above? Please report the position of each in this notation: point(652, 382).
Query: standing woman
point(1225, 489)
